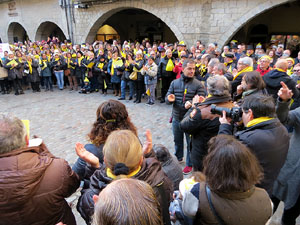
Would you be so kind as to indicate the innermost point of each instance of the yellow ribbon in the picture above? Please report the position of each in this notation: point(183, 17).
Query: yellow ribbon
point(30, 66)
point(12, 63)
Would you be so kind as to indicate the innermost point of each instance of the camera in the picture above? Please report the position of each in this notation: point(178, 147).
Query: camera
point(234, 113)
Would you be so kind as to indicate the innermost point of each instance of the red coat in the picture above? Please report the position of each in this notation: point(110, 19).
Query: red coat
point(263, 72)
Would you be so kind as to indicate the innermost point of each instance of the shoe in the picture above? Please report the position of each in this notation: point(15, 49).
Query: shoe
point(121, 98)
point(51, 90)
point(151, 103)
point(139, 101)
point(17, 93)
point(162, 101)
point(130, 98)
point(148, 103)
point(21, 92)
point(135, 101)
point(187, 170)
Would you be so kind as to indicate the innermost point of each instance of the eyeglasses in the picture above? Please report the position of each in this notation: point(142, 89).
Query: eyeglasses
point(296, 70)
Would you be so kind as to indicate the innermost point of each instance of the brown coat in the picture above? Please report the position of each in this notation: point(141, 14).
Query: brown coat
point(247, 208)
point(33, 185)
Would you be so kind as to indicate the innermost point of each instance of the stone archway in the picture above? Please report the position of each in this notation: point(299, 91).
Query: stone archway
point(101, 17)
point(16, 32)
point(48, 29)
point(239, 23)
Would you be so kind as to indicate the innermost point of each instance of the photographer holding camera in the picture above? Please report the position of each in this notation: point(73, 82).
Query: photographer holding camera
point(267, 138)
point(201, 123)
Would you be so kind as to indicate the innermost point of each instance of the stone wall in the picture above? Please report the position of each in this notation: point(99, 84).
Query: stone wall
point(190, 20)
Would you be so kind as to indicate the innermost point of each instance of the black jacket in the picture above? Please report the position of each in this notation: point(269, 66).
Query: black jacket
point(193, 87)
point(273, 79)
point(202, 125)
point(269, 141)
point(13, 73)
point(161, 71)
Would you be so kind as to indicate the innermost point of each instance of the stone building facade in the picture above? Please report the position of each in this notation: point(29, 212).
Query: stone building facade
point(189, 20)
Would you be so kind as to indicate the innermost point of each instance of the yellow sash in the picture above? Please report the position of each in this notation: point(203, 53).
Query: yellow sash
point(170, 65)
point(115, 63)
point(100, 66)
point(69, 65)
point(44, 64)
point(247, 69)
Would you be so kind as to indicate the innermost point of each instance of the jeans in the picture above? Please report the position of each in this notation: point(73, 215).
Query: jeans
point(60, 79)
point(48, 83)
point(289, 216)
point(123, 87)
point(151, 88)
point(179, 142)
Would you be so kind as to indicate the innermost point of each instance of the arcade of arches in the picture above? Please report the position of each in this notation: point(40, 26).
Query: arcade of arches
point(135, 24)
point(274, 26)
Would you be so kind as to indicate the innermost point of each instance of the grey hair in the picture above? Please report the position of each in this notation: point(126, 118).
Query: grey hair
point(213, 62)
point(212, 45)
point(221, 66)
point(246, 61)
point(12, 134)
point(218, 85)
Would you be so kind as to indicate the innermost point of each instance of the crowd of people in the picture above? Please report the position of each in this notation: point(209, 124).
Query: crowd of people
point(234, 108)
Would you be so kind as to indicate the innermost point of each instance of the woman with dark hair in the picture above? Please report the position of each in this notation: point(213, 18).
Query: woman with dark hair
point(127, 201)
point(252, 83)
point(111, 115)
point(229, 195)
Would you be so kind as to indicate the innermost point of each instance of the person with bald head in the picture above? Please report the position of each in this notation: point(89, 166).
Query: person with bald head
point(274, 77)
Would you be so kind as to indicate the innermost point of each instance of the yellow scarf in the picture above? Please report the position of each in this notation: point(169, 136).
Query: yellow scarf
point(30, 66)
point(44, 64)
point(290, 71)
point(247, 69)
point(170, 65)
point(79, 60)
point(111, 175)
point(135, 69)
point(281, 70)
point(69, 65)
point(258, 120)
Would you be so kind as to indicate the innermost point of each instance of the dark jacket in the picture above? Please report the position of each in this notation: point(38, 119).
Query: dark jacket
point(101, 66)
point(287, 185)
point(269, 141)
point(45, 71)
point(13, 73)
point(138, 65)
point(33, 186)
point(161, 72)
point(273, 79)
point(150, 172)
point(202, 125)
point(34, 76)
point(58, 65)
point(82, 169)
point(79, 69)
point(192, 86)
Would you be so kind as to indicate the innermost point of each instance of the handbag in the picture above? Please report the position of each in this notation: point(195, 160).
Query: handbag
point(3, 72)
point(67, 72)
point(133, 75)
point(219, 219)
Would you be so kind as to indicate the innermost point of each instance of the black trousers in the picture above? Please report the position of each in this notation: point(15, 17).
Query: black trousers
point(17, 85)
point(35, 86)
point(4, 85)
point(166, 81)
point(101, 79)
point(139, 85)
point(289, 216)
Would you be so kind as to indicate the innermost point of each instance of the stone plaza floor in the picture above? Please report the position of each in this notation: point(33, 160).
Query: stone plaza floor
point(62, 118)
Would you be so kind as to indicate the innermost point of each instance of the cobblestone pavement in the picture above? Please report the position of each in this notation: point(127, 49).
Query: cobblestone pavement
point(62, 118)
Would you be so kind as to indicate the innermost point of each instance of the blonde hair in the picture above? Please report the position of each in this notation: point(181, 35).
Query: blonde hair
point(122, 147)
point(127, 201)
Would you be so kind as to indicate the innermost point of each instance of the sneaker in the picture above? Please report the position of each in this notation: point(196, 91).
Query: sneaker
point(187, 170)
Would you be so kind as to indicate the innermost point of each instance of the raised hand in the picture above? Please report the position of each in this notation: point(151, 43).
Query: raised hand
point(86, 155)
point(148, 143)
point(224, 119)
point(284, 93)
point(171, 98)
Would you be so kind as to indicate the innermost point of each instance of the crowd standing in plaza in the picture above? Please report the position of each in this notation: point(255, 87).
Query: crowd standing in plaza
point(231, 107)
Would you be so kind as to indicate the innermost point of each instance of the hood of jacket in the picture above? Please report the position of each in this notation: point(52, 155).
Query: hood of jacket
point(274, 77)
point(21, 172)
